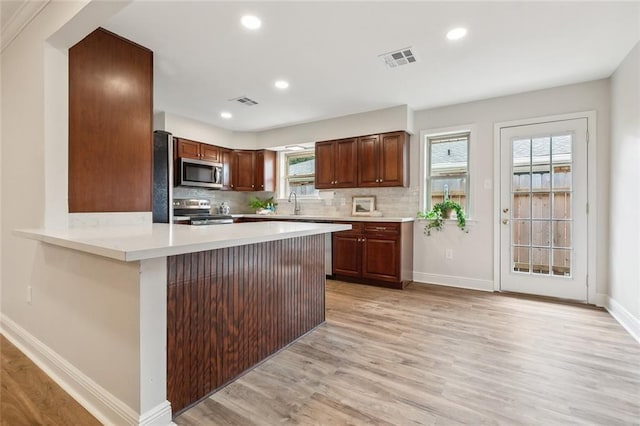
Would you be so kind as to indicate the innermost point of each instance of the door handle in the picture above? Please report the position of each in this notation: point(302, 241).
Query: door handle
point(505, 221)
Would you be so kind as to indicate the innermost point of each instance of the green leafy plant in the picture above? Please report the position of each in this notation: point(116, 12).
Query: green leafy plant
point(257, 203)
point(439, 213)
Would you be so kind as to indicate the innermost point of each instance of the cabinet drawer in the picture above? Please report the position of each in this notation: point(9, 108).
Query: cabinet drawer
point(356, 228)
point(382, 228)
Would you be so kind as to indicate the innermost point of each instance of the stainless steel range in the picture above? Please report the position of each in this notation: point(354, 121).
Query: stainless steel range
point(197, 212)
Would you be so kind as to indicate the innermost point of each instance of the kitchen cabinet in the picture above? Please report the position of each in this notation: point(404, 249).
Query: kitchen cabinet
point(336, 164)
point(225, 155)
point(347, 252)
point(185, 148)
point(377, 253)
point(253, 170)
point(382, 160)
point(110, 131)
point(366, 161)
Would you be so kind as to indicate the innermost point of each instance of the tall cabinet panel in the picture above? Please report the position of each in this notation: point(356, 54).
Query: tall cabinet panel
point(110, 128)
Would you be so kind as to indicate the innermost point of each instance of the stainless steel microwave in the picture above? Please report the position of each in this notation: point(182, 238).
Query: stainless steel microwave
point(203, 174)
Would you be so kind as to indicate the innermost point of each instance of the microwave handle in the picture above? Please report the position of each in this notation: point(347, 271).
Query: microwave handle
point(217, 178)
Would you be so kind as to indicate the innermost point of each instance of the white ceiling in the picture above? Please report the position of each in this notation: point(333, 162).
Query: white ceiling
point(328, 51)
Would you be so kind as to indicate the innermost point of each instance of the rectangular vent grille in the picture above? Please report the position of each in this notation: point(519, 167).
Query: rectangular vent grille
point(245, 101)
point(399, 57)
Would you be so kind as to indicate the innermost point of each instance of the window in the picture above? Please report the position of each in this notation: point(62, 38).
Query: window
point(300, 173)
point(448, 169)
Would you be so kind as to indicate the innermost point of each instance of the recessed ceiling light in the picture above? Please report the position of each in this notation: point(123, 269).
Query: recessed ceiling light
point(294, 148)
point(281, 84)
point(457, 33)
point(251, 22)
point(226, 115)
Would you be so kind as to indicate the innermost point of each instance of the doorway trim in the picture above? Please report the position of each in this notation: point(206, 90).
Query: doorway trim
point(592, 199)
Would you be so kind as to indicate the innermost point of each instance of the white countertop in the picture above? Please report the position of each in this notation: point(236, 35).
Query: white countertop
point(138, 242)
point(328, 218)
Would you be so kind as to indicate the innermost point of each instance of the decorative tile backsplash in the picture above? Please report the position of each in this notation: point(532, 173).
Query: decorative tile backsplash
point(391, 202)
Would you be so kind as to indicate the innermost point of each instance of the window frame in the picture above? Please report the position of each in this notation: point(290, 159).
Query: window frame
point(425, 162)
point(285, 156)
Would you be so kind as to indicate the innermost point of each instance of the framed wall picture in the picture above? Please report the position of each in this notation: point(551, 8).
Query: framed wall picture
point(363, 206)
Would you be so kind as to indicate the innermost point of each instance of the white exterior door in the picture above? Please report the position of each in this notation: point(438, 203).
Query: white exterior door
point(543, 209)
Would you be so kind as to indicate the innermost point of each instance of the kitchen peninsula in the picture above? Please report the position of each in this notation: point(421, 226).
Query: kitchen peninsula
point(212, 301)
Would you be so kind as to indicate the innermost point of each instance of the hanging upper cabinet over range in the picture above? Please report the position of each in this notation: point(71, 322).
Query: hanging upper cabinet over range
point(365, 161)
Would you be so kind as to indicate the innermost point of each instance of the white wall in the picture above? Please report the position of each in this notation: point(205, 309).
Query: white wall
point(379, 121)
point(74, 295)
point(624, 253)
point(473, 261)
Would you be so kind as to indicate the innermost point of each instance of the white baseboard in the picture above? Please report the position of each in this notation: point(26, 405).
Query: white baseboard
point(104, 406)
point(624, 317)
point(453, 281)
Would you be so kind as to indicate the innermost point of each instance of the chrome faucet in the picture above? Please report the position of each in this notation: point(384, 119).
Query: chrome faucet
point(296, 207)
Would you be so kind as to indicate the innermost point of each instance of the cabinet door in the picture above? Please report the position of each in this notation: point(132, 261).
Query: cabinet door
point(381, 258)
point(346, 163)
point(210, 153)
point(393, 159)
point(265, 170)
point(242, 171)
point(368, 161)
point(324, 164)
point(347, 253)
point(225, 156)
point(188, 149)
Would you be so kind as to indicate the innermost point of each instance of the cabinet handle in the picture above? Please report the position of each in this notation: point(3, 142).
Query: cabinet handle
point(253, 186)
point(380, 228)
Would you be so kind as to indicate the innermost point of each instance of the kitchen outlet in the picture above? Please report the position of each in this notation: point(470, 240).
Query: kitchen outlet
point(29, 294)
point(448, 253)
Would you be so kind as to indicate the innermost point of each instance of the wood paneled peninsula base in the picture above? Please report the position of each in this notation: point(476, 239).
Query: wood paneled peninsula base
point(231, 308)
point(179, 310)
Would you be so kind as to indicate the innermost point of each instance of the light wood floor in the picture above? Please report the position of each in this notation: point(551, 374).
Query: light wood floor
point(436, 355)
point(29, 397)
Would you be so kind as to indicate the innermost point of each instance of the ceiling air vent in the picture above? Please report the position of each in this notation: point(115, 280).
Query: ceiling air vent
point(245, 101)
point(398, 57)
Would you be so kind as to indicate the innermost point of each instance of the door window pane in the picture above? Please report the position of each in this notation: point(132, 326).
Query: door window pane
point(520, 230)
point(521, 259)
point(540, 233)
point(541, 208)
point(540, 260)
point(562, 262)
point(562, 233)
point(521, 206)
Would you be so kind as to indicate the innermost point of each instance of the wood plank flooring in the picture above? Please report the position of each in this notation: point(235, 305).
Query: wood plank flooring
point(29, 397)
point(437, 355)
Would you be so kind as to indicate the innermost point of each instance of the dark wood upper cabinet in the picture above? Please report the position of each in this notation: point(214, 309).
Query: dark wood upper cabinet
point(383, 160)
point(225, 156)
point(185, 148)
point(253, 170)
point(242, 164)
point(336, 164)
point(366, 161)
point(265, 170)
point(110, 125)
point(210, 153)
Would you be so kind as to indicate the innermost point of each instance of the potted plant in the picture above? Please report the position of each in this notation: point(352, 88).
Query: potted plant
point(268, 205)
point(439, 213)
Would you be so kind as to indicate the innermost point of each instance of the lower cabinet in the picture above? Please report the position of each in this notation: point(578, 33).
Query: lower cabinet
point(377, 253)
